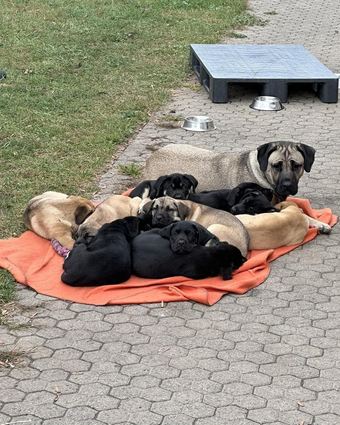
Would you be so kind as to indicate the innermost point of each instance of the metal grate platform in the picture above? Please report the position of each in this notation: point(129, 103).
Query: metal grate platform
point(273, 66)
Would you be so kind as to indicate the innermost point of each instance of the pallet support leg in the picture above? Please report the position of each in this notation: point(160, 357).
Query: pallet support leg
point(276, 88)
point(328, 91)
point(218, 91)
point(196, 66)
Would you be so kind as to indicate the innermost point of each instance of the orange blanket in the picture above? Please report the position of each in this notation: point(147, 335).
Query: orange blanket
point(33, 262)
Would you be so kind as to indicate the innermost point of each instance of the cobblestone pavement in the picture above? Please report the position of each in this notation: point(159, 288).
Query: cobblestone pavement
point(268, 357)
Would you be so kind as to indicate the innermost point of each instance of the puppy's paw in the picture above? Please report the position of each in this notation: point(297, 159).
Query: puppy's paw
point(325, 229)
point(226, 272)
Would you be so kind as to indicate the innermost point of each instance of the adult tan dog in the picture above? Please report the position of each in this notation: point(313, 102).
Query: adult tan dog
point(165, 210)
point(112, 208)
point(276, 165)
point(55, 215)
point(275, 229)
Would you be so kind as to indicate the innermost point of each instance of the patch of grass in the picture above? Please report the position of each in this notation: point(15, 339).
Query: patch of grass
point(170, 120)
point(11, 358)
point(171, 117)
point(192, 85)
point(81, 77)
point(246, 19)
point(7, 288)
point(236, 35)
point(133, 170)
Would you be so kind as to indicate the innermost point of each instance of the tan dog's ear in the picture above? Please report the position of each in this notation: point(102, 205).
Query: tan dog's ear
point(263, 153)
point(308, 154)
point(82, 212)
point(183, 210)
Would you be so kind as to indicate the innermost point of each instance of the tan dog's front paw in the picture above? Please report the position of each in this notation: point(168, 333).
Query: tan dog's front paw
point(325, 229)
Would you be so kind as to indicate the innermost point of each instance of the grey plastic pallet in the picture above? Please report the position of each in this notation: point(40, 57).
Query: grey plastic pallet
point(273, 66)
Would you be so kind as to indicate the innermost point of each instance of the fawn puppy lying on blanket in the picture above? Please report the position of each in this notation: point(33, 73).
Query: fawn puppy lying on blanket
point(176, 185)
point(165, 210)
point(104, 259)
point(112, 208)
point(289, 226)
point(178, 250)
point(55, 215)
point(246, 198)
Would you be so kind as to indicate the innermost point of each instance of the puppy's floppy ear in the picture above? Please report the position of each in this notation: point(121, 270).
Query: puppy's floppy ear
point(308, 155)
point(146, 208)
point(166, 231)
point(268, 193)
point(81, 213)
point(192, 180)
point(263, 153)
point(182, 209)
point(234, 196)
point(158, 187)
point(133, 226)
point(143, 189)
point(204, 236)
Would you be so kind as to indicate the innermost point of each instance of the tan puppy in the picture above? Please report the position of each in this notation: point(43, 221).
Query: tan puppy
point(55, 215)
point(165, 210)
point(113, 208)
point(275, 229)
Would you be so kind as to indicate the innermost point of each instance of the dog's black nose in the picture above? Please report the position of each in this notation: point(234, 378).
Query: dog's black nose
point(181, 242)
point(286, 184)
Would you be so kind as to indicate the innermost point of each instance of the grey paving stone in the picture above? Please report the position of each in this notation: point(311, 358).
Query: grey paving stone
point(283, 405)
point(31, 419)
point(318, 384)
point(4, 418)
point(178, 419)
point(113, 416)
point(264, 415)
point(197, 409)
point(296, 417)
point(327, 419)
point(168, 407)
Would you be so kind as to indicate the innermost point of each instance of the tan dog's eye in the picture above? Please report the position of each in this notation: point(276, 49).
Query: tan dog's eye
point(277, 166)
point(295, 165)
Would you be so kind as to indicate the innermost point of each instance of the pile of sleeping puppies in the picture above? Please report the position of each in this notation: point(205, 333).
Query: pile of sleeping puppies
point(166, 227)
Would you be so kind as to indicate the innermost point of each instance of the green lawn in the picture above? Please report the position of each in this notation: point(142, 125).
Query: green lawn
point(81, 77)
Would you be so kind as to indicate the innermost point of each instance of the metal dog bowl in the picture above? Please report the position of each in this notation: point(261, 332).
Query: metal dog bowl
point(266, 103)
point(198, 123)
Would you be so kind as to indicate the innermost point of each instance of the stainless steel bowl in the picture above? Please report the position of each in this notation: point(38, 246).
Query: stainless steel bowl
point(198, 123)
point(266, 103)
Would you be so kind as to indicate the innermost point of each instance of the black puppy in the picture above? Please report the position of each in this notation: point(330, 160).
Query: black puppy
point(170, 251)
point(104, 259)
point(185, 235)
point(246, 198)
point(176, 185)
